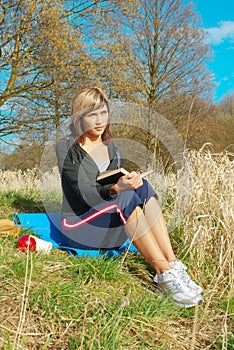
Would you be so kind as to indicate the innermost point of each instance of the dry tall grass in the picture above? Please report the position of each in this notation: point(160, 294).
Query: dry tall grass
point(210, 223)
point(209, 229)
point(31, 179)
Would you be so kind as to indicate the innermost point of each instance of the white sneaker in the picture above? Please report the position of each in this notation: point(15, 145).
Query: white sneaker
point(170, 284)
point(181, 269)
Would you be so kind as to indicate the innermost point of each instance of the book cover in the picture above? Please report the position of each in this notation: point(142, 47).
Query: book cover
point(112, 176)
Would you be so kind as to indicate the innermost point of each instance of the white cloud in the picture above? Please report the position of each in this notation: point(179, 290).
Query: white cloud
point(224, 31)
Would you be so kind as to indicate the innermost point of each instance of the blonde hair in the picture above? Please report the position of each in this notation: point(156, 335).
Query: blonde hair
point(85, 101)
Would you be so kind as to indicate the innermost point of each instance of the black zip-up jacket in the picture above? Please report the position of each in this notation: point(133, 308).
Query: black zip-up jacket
point(79, 172)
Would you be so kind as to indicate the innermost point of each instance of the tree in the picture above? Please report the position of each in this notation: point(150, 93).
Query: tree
point(25, 156)
point(218, 130)
point(151, 50)
point(42, 56)
point(67, 68)
point(226, 105)
point(26, 27)
point(184, 111)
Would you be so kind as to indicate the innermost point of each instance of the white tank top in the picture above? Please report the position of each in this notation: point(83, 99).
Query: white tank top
point(102, 166)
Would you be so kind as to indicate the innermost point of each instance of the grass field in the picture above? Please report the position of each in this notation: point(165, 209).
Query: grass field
point(58, 301)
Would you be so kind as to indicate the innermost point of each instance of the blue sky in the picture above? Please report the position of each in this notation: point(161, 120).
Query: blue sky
point(218, 21)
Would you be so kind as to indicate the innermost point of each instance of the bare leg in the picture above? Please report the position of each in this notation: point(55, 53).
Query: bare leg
point(138, 230)
point(147, 228)
point(155, 219)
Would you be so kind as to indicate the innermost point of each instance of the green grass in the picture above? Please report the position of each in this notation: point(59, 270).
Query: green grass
point(13, 202)
point(84, 303)
point(58, 301)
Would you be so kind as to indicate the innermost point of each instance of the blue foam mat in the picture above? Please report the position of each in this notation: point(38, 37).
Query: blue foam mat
point(48, 227)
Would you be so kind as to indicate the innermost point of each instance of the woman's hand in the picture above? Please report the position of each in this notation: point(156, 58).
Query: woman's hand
point(129, 182)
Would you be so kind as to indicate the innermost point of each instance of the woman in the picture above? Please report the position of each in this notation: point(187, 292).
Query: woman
point(103, 216)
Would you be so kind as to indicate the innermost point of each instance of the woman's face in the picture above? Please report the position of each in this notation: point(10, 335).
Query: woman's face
point(95, 122)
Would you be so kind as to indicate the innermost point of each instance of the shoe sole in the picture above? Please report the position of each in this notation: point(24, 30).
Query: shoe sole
point(200, 291)
point(187, 306)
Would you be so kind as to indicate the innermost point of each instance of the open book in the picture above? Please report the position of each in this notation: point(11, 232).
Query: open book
point(112, 176)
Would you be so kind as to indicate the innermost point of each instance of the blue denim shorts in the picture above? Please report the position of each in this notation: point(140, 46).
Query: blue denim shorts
point(102, 227)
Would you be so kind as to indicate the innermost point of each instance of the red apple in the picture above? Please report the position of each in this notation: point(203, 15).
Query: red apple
point(26, 242)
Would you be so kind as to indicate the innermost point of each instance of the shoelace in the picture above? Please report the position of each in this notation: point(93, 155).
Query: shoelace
point(173, 286)
point(186, 279)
